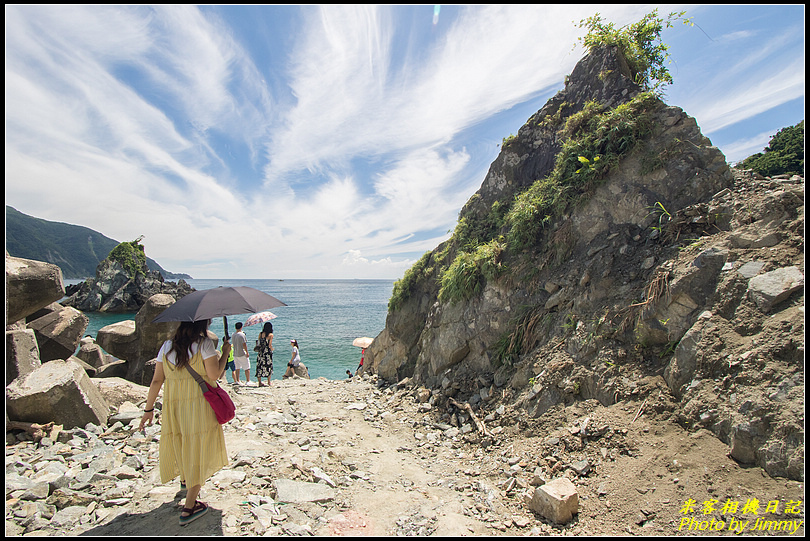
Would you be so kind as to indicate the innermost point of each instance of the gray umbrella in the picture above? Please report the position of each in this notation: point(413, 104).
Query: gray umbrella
point(216, 302)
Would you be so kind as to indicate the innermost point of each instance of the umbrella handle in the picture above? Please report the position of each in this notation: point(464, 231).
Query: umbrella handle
point(225, 324)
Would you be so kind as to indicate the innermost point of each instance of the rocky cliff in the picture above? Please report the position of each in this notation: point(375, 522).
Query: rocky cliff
point(119, 289)
point(612, 254)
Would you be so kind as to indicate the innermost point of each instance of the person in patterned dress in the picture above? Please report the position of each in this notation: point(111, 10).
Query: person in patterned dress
point(264, 357)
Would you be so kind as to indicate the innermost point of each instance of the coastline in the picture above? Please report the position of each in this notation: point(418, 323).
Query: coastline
point(325, 316)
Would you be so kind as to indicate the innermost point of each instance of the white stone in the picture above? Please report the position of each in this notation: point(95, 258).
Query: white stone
point(557, 501)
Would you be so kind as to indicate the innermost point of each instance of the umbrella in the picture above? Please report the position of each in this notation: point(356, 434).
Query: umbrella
point(261, 317)
point(362, 342)
point(216, 302)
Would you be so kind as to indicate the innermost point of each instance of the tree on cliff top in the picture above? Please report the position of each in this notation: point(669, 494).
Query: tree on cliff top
point(130, 255)
point(640, 43)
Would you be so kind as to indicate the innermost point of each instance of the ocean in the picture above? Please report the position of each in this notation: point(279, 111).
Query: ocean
point(324, 316)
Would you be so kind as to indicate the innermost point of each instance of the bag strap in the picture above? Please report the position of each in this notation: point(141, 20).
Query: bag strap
point(198, 379)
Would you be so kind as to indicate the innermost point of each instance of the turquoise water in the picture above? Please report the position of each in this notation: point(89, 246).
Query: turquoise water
point(325, 316)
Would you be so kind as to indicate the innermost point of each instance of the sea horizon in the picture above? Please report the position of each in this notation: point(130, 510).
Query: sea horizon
point(323, 315)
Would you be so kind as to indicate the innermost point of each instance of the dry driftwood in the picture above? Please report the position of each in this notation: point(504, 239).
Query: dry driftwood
point(36, 430)
point(478, 423)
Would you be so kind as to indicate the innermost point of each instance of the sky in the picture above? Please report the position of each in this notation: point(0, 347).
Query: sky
point(332, 141)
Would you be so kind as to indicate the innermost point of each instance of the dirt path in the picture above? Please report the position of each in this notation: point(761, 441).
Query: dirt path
point(397, 469)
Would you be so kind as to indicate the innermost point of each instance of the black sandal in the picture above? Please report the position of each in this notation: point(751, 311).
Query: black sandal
point(194, 513)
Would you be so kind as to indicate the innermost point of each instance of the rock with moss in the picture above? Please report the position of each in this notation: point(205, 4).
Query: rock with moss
point(123, 283)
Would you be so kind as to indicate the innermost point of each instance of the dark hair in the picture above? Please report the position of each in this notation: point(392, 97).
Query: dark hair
point(238, 325)
point(268, 328)
point(187, 334)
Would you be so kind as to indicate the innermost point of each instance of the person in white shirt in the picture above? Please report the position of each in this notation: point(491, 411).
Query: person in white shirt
point(241, 357)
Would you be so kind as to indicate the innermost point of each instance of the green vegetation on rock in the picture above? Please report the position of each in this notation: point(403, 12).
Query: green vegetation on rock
point(640, 43)
point(130, 255)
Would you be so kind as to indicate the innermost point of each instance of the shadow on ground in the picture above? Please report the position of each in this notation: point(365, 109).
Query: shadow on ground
point(164, 520)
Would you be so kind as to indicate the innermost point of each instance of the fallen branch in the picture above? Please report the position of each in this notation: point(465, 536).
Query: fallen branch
point(639, 410)
point(478, 423)
point(36, 430)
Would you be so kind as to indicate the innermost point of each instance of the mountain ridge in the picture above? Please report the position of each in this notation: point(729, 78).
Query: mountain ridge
point(75, 249)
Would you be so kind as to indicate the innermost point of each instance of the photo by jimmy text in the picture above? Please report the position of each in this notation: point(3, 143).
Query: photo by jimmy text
point(748, 519)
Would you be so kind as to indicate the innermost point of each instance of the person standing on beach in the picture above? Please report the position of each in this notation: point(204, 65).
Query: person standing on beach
point(241, 357)
point(264, 359)
point(192, 443)
point(229, 365)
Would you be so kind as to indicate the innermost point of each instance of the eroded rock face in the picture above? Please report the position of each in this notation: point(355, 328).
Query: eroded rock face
point(603, 233)
point(677, 274)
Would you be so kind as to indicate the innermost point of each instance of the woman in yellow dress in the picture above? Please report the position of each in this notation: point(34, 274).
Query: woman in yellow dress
point(192, 444)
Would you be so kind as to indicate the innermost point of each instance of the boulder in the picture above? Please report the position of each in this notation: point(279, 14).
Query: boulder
point(150, 337)
point(119, 339)
point(91, 370)
point(59, 332)
point(30, 286)
point(299, 371)
point(557, 500)
point(92, 354)
point(59, 392)
point(116, 368)
point(22, 353)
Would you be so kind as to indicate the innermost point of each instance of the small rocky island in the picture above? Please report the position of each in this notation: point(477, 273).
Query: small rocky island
point(123, 283)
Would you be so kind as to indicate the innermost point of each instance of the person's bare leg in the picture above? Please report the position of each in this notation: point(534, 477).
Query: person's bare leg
point(191, 498)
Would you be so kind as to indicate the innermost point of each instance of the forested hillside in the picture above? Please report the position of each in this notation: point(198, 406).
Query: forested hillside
point(75, 249)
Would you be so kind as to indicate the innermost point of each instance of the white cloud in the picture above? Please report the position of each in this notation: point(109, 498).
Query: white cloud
point(346, 155)
point(751, 98)
point(743, 148)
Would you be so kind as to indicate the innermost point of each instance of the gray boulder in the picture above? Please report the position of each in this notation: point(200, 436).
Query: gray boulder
point(59, 392)
point(92, 354)
point(22, 353)
point(150, 337)
point(114, 290)
point(119, 339)
point(59, 331)
point(30, 286)
point(557, 500)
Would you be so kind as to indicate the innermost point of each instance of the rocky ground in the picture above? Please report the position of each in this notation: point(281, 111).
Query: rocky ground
point(360, 457)
point(320, 457)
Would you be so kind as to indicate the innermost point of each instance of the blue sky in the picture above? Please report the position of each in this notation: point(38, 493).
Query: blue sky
point(328, 142)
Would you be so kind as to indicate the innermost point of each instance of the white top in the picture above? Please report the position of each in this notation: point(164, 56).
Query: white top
point(208, 351)
point(296, 357)
point(240, 344)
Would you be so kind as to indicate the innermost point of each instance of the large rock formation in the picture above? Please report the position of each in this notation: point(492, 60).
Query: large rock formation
point(115, 289)
point(636, 278)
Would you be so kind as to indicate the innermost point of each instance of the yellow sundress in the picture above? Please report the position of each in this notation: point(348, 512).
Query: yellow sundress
point(192, 444)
